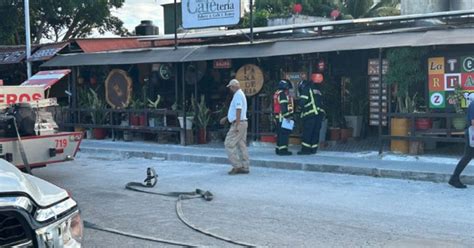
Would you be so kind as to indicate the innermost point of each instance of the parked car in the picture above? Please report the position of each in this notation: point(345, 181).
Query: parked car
point(35, 213)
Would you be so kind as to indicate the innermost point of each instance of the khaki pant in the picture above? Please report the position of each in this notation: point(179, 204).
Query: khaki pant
point(236, 146)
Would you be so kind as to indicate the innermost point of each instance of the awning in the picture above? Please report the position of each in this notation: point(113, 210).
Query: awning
point(46, 79)
point(159, 55)
point(270, 49)
point(47, 51)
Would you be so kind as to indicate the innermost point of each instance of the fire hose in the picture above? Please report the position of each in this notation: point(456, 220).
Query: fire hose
point(21, 148)
point(150, 182)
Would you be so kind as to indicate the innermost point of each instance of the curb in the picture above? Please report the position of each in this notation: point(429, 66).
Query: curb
point(325, 168)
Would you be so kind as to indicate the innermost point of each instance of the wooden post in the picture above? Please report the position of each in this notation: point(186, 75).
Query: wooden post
point(73, 102)
point(183, 84)
point(176, 83)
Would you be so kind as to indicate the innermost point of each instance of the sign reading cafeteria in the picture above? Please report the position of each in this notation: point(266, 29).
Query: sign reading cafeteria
point(251, 79)
point(445, 74)
point(210, 13)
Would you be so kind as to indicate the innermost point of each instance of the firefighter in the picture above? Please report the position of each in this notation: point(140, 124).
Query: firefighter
point(283, 106)
point(312, 115)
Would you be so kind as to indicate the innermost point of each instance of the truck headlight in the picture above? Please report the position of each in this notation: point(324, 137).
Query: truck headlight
point(72, 231)
point(66, 228)
point(67, 233)
point(55, 212)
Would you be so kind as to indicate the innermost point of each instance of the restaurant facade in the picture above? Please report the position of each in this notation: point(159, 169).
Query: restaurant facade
point(177, 95)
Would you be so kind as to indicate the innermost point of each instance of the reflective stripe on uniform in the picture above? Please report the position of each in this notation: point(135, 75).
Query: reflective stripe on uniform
point(284, 101)
point(304, 97)
point(313, 102)
point(315, 146)
point(306, 144)
point(309, 112)
point(282, 147)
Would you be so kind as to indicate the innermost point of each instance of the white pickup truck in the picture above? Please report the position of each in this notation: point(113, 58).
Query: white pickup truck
point(35, 213)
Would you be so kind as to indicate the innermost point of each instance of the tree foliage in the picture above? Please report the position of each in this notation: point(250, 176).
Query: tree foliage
point(354, 8)
point(58, 19)
point(407, 71)
point(284, 8)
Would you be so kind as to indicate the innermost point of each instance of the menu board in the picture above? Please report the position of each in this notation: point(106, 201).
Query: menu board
point(445, 74)
point(375, 94)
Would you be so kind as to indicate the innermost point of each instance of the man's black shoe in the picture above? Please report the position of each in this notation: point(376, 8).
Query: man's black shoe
point(304, 153)
point(455, 182)
point(285, 153)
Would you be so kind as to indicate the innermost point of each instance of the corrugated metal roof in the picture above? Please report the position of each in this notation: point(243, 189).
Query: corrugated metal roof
point(12, 54)
point(109, 44)
point(47, 51)
point(270, 49)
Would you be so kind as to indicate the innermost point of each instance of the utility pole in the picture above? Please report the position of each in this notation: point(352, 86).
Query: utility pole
point(28, 37)
point(175, 25)
point(251, 21)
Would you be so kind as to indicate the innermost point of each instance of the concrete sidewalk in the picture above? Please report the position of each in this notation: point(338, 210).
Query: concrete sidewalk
point(424, 168)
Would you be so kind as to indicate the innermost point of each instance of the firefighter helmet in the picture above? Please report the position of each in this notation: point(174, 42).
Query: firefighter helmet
point(284, 85)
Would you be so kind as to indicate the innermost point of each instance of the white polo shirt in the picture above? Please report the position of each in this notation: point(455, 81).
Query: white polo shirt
point(239, 101)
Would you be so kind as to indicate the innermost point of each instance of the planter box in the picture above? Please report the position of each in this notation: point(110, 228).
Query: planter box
point(189, 137)
point(354, 122)
point(295, 140)
point(334, 134)
point(399, 127)
point(157, 121)
point(189, 122)
point(323, 131)
point(268, 138)
point(99, 133)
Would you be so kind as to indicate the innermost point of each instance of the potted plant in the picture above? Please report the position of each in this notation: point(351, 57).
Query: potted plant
point(189, 115)
point(135, 118)
point(154, 120)
point(346, 132)
point(98, 116)
point(202, 118)
point(84, 102)
point(214, 125)
point(355, 104)
point(456, 99)
point(332, 104)
point(406, 74)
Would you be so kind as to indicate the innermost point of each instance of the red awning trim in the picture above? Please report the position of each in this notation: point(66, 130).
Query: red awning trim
point(46, 79)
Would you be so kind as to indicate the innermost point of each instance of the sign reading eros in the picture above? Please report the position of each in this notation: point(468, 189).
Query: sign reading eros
point(16, 94)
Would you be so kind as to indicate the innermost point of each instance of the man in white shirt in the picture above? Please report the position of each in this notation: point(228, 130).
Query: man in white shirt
point(236, 139)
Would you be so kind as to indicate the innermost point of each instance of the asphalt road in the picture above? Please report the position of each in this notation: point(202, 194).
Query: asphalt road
point(269, 207)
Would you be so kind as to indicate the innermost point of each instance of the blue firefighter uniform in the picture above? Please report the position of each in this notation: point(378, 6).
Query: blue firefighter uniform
point(283, 106)
point(312, 115)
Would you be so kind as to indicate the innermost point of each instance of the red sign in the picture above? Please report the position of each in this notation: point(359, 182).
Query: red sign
point(14, 94)
point(222, 64)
